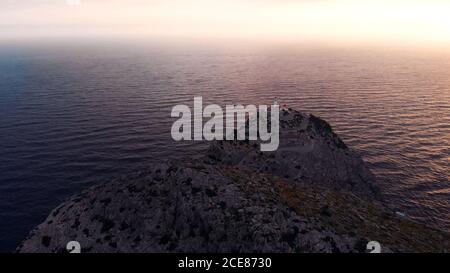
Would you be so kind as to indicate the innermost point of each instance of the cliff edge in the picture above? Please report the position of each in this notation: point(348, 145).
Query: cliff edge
point(313, 194)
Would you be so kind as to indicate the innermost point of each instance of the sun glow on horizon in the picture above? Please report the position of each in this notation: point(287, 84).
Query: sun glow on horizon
point(381, 21)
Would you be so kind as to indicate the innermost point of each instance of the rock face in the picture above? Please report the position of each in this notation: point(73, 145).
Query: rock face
point(310, 153)
point(311, 195)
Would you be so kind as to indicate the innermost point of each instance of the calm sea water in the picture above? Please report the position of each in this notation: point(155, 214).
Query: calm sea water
point(73, 116)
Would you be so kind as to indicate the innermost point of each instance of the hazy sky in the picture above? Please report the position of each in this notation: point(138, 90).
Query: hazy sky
point(339, 21)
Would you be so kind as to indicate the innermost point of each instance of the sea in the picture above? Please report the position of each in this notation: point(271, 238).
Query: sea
point(76, 114)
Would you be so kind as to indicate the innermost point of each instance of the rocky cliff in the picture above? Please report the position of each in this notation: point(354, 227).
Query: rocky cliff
point(313, 194)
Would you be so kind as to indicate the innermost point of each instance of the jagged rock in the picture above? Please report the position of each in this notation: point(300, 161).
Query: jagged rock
point(312, 195)
point(309, 153)
point(191, 209)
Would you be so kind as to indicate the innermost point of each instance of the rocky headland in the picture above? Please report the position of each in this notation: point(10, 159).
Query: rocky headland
point(314, 194)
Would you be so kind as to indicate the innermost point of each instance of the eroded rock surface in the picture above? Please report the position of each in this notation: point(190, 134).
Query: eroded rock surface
point(310, 153)
point(312, 195)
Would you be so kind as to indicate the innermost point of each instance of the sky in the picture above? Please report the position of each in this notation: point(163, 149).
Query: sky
point(340, 21)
